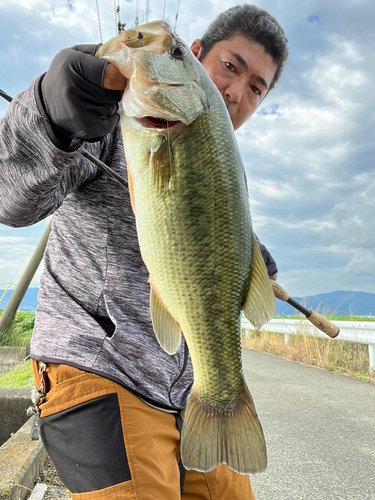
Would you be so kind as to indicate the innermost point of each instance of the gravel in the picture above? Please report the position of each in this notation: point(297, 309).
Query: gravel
point(55, 488)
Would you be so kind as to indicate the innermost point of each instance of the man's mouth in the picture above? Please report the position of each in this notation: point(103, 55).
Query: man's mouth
point(153, 122)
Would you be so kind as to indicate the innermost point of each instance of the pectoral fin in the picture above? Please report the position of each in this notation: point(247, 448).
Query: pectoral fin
point(131, 190)
point(167, 330)
point(161, 166)
point(259, 306)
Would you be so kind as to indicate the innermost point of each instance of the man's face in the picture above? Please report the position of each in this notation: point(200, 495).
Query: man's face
point(243, 73)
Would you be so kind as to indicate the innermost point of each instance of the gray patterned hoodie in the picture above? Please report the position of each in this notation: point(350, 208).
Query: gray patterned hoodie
point(93, 304)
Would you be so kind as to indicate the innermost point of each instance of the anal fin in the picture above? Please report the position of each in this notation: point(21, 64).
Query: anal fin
point(259, 306)
point(167, 330)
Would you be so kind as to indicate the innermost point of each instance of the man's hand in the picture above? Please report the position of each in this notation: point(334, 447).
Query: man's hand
point(113, 79)
point(80, 95)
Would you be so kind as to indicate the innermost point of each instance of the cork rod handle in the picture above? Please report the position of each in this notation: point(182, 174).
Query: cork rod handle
point(323, 324)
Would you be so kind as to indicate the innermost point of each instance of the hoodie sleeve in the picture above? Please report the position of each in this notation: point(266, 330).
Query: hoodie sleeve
point(36, 175)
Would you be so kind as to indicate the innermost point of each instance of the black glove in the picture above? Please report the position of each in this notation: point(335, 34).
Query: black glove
point(268, 259)
point(73, 98)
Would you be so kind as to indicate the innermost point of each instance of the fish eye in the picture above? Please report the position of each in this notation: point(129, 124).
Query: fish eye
point(178, 52)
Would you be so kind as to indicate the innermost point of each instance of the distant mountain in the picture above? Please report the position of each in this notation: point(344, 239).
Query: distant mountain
point(338, 303)
point(29, 302)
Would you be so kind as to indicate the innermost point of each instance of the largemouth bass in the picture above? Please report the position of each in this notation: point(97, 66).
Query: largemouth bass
point(188, 190)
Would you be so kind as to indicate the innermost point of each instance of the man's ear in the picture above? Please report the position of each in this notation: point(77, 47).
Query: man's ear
point(196, 48)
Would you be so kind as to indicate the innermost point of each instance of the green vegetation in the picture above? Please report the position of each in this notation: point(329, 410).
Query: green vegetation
point(19, 332)
point(20, 378)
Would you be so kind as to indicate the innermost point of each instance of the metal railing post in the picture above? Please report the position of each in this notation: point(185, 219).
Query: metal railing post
point(371, 353)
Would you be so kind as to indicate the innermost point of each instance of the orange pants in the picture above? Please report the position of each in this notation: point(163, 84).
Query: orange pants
point(100, 434)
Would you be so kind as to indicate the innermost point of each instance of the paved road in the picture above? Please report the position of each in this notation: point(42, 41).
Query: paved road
point(319, 428)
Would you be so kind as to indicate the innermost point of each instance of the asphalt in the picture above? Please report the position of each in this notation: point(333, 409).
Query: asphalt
point(319, 428)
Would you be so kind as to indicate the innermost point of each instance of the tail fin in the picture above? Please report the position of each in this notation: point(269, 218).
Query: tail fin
point(210, 439)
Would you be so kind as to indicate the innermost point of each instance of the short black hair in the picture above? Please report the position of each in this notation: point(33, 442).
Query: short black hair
point(257, 25)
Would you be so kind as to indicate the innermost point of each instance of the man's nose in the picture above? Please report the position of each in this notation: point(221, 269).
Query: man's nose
point(233, 93)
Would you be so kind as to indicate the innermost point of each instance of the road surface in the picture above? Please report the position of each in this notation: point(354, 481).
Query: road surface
point(319, 428)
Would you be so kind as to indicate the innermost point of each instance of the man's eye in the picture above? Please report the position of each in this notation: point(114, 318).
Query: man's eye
point(255, 90)
point(230, 66)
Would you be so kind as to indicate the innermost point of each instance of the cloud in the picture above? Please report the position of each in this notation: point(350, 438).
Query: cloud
point(353, 221)
point(362, 263)
point(352, 225)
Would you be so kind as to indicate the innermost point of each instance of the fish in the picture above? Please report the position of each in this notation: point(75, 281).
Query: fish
point(189, 194)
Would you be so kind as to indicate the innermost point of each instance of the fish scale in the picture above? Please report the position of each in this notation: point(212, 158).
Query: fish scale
point(190, 199)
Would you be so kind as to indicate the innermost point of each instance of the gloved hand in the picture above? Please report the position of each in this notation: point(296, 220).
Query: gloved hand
point(268, 260)
point(74, 98)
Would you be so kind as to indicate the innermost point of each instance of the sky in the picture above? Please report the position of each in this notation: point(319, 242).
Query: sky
point(309, 150)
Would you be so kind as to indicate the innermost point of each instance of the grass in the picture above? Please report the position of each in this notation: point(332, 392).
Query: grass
point(352, 318)
point(19, 332)
point(334, 355)
point(20, 378)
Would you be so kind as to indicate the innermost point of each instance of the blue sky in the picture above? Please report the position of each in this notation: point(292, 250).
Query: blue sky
point(308, 151)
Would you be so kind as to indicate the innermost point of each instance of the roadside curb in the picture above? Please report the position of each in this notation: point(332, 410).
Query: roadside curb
point(13, 405)
point(21, 462)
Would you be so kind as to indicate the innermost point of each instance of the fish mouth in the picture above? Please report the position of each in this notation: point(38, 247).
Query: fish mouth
point(154, 122)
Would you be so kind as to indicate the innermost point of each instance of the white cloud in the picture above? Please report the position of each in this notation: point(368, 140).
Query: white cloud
point(78, 15)
point(353, 221)
point(28, 5)
point(362, 263)
point(300, 226)
point(11, 240)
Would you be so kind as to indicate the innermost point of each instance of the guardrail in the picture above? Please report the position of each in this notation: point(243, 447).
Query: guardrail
point(360, 332)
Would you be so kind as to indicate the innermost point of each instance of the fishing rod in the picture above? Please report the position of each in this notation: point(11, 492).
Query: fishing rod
point(323, 324)
point(102, 166)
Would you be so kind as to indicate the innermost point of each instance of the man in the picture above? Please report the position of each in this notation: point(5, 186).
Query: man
point(110, 396)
